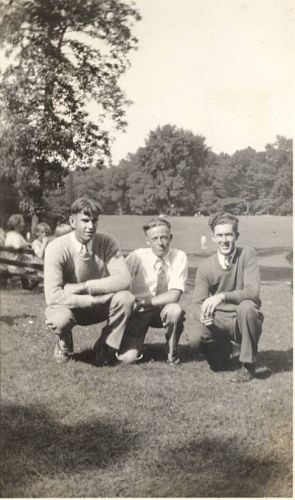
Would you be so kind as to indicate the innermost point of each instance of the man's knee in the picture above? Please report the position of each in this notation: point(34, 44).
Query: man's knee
point(59, 319)
point(199, 333)
point(124, 299)
point(247, 309)
point(173, 313)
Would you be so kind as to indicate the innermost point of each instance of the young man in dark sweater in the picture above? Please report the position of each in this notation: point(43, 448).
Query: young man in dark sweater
point(226, 299)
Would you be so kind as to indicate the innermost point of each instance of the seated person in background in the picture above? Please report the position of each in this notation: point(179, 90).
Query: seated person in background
point(62, 229)
point(86, 281)
point(15, 239)
point(158, 276)
point(226, 300)
point(43, 232)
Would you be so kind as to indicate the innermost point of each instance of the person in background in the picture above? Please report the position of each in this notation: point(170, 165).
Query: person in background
point(203, 243)
point(159, 274)
point(226, 300)
point(43, 232)
point(86, 281)
point(15, 239)
point(62, 229)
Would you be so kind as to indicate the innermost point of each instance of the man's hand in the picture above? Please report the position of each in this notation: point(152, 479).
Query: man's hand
point(141, 304)
point(209, 305)
point(101, 299)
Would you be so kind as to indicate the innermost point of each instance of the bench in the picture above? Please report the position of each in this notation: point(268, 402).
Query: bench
point(20, 264)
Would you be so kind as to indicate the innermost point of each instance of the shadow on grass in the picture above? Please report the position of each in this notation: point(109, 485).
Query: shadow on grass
point(87, 356)
point(35, 446)
point(219, 468)
point(11, 320)
point(157, 351)
point(276, 361)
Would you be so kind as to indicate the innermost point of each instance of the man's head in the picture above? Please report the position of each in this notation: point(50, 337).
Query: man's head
point(158, 236)
point(224, 227)
point(83, 218)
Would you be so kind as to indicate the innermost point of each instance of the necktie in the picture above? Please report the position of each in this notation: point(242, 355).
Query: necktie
point(162, 283)
point(84, 252)
point(227, 262)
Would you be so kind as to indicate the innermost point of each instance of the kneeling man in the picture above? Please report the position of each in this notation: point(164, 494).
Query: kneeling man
point(86, 281)
point(158, 275)
point(226, 300)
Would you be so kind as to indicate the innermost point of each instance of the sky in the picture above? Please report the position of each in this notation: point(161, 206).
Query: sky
point(223, 69)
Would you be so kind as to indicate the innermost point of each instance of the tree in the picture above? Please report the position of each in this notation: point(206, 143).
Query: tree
point(66, 54)
point(168, 172)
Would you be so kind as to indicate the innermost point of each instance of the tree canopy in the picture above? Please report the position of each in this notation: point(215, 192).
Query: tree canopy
point(64, 54)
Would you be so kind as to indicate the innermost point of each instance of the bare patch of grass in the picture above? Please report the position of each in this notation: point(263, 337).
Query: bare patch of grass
point(146, 430)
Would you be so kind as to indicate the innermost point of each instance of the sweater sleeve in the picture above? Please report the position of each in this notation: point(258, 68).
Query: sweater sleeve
point(202, 290)
point(54, 281)
point(251, 278)
point(119, 277)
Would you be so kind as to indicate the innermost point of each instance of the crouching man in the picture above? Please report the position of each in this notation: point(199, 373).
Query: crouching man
point(86, 281)
point(158, 275)
point(226, 300)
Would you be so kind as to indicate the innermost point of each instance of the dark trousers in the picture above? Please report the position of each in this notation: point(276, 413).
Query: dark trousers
point(243, 326)
point(170, 317)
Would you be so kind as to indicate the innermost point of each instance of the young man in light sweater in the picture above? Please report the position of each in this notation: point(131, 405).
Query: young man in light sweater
point(226, 300)
point(86, 281)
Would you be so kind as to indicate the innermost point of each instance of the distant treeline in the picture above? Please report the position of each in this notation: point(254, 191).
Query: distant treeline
point(177, 174)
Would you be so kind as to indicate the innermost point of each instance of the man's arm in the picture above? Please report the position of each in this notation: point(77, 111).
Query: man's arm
point(56, 293)
point(251, 288)
point(119, 278)
point(176, 284)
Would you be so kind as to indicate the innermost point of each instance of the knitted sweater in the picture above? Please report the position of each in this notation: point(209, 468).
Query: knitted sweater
point(104, 271)
point(240, 282)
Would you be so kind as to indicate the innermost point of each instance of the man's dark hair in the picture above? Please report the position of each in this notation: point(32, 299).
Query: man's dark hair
point(159, 221)
point(223, 218)
point(86, 206)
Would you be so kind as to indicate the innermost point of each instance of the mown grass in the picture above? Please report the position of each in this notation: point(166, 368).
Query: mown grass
point(149, 430)
point(269, 234)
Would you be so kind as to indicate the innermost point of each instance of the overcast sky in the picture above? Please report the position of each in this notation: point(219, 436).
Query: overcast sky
point(220, 68)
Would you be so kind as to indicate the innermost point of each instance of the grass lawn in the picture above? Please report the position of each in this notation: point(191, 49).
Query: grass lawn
point(149, 430)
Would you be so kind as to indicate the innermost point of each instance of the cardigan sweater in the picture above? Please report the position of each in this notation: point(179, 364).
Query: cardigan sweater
point(240, 282)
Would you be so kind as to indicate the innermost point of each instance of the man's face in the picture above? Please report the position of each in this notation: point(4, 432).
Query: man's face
point(84, 226)
point(158, 238)
point(225, 238)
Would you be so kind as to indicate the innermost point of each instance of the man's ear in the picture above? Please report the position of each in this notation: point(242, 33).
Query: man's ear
point(171, 237)
point(147, 241)
point(213, 237)
point(72, 222)
point(237, 234)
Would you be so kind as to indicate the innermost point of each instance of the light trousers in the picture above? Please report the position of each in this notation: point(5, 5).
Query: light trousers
point(115, 311)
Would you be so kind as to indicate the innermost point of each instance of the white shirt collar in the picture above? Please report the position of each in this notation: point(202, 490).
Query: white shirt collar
point(156, 259)
point(224, 258)
point(78, 245)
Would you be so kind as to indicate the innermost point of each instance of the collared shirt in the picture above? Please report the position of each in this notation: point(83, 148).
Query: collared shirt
point(143, 266)
point(80, 246)
point(226, 260)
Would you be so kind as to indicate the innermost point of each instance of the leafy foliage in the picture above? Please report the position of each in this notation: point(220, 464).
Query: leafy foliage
point(67, 54)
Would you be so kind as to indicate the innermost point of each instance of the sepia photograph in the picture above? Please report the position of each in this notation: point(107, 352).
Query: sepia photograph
point(146, 248)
